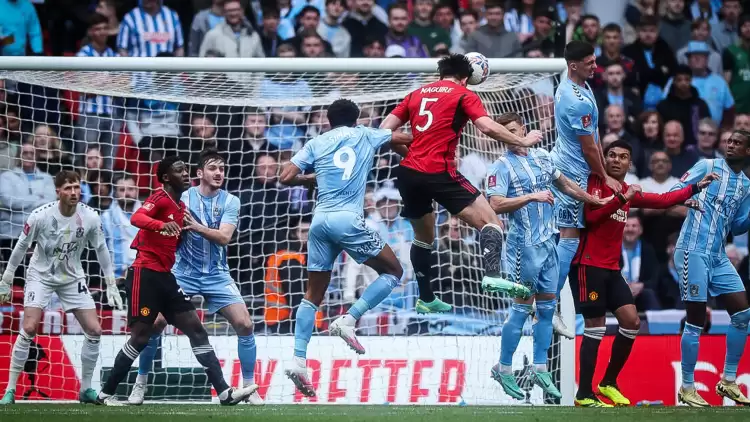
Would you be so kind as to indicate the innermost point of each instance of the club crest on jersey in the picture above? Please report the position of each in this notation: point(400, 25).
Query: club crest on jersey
point(79, 232)
point(586, 120)
point(492, 181)
point(685, 176)
point(597, 193)
point(148, 206)
point(217, 211)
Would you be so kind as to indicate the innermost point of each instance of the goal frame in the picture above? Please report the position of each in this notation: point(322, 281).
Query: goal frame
point(312, 65)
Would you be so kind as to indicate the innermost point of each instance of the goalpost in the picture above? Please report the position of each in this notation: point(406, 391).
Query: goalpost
point(148, 107)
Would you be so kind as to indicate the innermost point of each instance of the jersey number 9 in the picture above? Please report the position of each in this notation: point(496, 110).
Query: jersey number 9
point(345, 158)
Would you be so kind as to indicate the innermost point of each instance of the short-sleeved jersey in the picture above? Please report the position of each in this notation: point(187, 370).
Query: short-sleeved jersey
point(513, 176)
point(576, 114)
point(60, 241)
point(725, 204)
point(438, 113)
point(156, 249)
point(196, 255)
point(342, 160)
point(145, 35)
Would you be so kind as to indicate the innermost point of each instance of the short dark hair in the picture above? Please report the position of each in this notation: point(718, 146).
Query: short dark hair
point(164, 165)
point(66, 176)
point(308, 8)
point(471, 12)
point(620, 143)
point(97, 19)
point(587, 17)
point(510, 117)
point(683, 69)
point(455, 65)
point(271, 12)
point(648, 21)
point(743, 133)
point(576, 51)
point(209, 154)
point(698, 22)
point(395, 6)
point(343, 112)
point(612, 27)
point(494, 4)
point(335, 1)
point(310, 33)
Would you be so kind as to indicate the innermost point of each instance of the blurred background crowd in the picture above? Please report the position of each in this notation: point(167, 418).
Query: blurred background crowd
point(673, 80)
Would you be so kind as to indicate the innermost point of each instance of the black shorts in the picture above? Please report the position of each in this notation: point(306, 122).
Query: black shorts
point(153, 292)
point(598, 290)
point(418, 190)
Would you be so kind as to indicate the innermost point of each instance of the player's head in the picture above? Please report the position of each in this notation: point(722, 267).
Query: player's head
point(173, 172)
point(211, 169)
point(579, 56)
point(68, 187)
point(343, 112)
point(738, 146)
point(514, 123)
point(455, 66)
point(617, 158)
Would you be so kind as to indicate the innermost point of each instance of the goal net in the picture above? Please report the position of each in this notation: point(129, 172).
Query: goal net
point(113, 120)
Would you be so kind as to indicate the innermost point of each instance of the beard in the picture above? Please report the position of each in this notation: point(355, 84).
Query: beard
point(126, 203)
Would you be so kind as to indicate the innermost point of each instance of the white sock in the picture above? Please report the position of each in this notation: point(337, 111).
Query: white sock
point(506, 369)
point(540, 367)
point(141, 379)
point(89, 357)
point(19, 356)
point(300, 362)
point(246, 383)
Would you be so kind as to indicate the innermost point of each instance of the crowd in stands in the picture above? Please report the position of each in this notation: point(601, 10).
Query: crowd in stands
point(673, 79)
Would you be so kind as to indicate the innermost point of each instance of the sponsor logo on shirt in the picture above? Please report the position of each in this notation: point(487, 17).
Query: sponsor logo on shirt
point(156, 37)
point(685, 176)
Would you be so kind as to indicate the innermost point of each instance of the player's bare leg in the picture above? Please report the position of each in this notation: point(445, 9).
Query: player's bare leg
point(592, 338)
point(92, 332)
point(739, 313)
point(140, 388)
point(481, 216)
point(630, 325)
point(316, 289)
point(389, 272)
point(20, 352)
point(695, 319)
point(239, 318)
point(566, 250)
point(424, 263)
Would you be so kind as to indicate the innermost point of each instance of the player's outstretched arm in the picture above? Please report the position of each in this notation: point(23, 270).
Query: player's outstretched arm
point(391, 122)
point(741, 222)
point(670, 199)
point(503, 205)
point(291, 176)
point(574, 191)
point(500, 133)
point(27, 237)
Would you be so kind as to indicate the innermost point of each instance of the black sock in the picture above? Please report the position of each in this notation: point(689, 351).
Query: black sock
point(206, 356)
point(592, 338)
point(491, 244)
point(621, 348)
point(123, 363)
point(421, 260)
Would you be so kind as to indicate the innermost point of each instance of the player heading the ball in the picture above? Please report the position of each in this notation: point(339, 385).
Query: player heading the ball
point(438, 113)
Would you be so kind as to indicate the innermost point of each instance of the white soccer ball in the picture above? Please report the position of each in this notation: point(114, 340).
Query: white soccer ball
point(480, 67)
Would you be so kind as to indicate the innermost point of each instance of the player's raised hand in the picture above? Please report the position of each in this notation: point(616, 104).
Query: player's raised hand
point(5, 286)
point(600, 201)
point(189, 222)
point(114, 299)
point(532, 138)
point(693, 204)
point(707, 179)
point(171, 228)
point(613, 184)
point(632, 191)
point(543, 196)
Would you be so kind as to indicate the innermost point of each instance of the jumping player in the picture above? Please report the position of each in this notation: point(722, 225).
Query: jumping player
point(577, 153)
point(703, 266)
point(201, 269)
point(342, 160)
point(152, 288)
point(596, 279)
point(438, 113)
point(518, 184)
point(61, 230)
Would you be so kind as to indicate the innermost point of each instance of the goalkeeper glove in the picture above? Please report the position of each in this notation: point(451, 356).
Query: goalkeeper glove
point(5, 286)
point(113, 294)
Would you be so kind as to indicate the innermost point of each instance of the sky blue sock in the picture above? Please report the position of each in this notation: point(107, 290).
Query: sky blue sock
point(689, 347)
point(736, 338)
point(545, 310)
point(511, 333)
point(247, 353)
point(373, 295)
point(146, 358)
point(566, 251)
point(304, 327)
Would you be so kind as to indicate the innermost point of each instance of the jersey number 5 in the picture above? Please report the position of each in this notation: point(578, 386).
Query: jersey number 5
point(345, 158)
point(423, 111)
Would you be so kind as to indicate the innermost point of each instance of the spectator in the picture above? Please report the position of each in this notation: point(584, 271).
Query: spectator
point(633, 13)
point(150, 29)
point(701, 31)
point(670, 281)
point(332, 31)
point(492, 39)
point(675, 25)
point(424, 28)
point(100, 182)
point(361, 23)
point(457, 261)
point(252, 144)
point(269, 35)
point(612, 54)
point(661, 179)
point(201, 136)
point(12, 120)
point(8, 150)
point(234, 36)
point(395, 230)
point(682, 158)
point(614, 92)
point(725, 32)
point(712, 88)
point(118, 231)
point(649, 132)
point(615, 123)
point(20, 30)
point(469, 21)
point(374, 48)
point(445, 19)
point(398, 21)
point(640, 268)
point(708, 140)
point(683, 104)
point(707, 10)
point(654, 61)
point(742, 122)
point(309, 21)
point(589, 31)
point(204, 21)
point(107, 8)
point(570, 16)
point(155, 117)
point(96, 124)
point(317, 123)
point(312, 45)
point(541, 38)
point(94, 162)
point(50, 157)
point(520, 18)
point(21, 191)
point(736, 60)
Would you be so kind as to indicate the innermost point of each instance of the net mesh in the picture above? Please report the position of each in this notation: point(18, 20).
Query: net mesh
point(113, 126)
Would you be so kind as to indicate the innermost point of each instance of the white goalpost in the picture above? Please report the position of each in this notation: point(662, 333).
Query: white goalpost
point(113, 118)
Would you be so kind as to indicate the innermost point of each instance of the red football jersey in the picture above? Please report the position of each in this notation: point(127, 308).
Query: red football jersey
point(156, 251)
point(438, 113)
point(601, 240)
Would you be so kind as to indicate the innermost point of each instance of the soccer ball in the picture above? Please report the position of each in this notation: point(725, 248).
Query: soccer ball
point(480, 67)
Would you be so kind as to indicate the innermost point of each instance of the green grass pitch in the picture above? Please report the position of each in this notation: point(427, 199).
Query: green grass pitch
point(327, 413)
